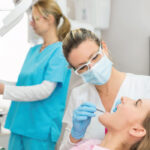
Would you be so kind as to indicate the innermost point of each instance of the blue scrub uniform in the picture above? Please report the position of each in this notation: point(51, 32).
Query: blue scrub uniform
point(34, 123)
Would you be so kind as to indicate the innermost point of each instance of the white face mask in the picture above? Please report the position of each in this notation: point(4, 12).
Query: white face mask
point(100, 73)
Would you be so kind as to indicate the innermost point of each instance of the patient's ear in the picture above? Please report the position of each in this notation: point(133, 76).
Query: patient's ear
point(137, 131)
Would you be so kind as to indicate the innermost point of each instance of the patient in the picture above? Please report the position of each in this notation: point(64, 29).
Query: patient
point(128, 128)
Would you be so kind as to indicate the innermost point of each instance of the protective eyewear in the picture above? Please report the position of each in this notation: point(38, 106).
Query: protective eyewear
point(96, 57)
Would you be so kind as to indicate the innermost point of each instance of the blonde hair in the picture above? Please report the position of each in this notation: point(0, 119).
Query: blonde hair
point(47, 7)
point(75, 37)
point(144, 144)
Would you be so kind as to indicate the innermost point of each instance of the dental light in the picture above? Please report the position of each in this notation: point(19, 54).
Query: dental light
point(15, 15)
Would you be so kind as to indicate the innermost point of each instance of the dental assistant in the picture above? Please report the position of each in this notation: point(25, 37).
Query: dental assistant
point(39, 96)
point(104, 86)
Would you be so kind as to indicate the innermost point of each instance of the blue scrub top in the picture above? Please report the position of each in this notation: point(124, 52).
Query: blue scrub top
point(41, 119)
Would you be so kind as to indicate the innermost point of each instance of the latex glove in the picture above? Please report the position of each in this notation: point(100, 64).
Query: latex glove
point(81, 119)
point(117, 103)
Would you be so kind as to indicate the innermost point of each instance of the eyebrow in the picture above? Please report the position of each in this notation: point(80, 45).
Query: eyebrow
point(88, 59)
point(138, 101)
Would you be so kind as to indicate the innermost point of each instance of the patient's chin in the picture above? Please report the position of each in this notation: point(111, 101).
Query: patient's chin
point(105, 119)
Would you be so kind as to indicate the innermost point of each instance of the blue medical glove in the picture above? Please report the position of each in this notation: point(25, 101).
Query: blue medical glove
point(81, 119)
point(117, 103)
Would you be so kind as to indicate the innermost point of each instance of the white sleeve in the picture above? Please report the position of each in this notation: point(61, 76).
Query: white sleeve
point(29, 93)
point(7, 82)
point(66, 143)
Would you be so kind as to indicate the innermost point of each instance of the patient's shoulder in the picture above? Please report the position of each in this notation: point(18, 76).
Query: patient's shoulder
point(86, 145)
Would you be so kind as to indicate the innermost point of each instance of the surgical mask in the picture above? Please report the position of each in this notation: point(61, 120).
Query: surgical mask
point(100, 73)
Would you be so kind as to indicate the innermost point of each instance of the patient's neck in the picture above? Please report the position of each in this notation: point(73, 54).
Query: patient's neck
point(115, 142)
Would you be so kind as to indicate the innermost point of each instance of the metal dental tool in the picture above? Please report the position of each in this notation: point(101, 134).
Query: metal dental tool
point(99, 110)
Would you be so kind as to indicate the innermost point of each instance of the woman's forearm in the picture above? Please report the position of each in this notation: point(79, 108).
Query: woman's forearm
point(67, 143)
point(29, 93)
point(73, 140)
point(7, 82)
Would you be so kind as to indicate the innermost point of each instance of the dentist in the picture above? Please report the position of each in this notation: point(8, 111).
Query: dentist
point(104, 85)
point(39, 96)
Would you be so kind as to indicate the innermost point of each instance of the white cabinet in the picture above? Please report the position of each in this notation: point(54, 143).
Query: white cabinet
point(94, 12)
point(4, 140)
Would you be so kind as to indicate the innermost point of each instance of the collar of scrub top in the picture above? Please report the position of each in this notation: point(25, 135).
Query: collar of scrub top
point(15, 15)
point(115, 108)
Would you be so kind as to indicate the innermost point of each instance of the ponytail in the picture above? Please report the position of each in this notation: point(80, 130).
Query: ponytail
point(47, 7)
point(64, 28)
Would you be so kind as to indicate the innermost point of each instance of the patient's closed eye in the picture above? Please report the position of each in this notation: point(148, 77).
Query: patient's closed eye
point(138, 102)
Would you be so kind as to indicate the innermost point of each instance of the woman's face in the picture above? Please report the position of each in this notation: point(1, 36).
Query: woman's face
point(128, 114)
point(39, 23)
point(82, 54)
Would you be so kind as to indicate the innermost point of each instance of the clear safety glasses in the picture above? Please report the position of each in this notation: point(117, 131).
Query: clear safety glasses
point(34, 19)
point(96, 57)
